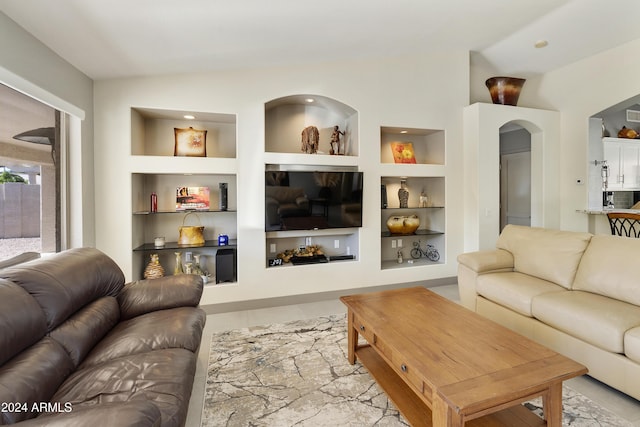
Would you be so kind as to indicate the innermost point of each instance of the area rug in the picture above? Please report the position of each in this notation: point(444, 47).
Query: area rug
point(297, 374)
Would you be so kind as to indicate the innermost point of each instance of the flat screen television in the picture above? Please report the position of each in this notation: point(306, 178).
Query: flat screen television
point(312, 200)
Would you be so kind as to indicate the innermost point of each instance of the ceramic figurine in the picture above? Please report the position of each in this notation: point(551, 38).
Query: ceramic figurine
point(154, 270)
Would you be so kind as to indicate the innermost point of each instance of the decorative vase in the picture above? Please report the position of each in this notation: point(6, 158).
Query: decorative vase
point(154, 270)
point(505, 90)
point(178, 267)
point(403, 194)
point(398, 224)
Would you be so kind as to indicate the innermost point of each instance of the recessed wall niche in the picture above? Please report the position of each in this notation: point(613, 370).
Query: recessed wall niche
point(287, 117)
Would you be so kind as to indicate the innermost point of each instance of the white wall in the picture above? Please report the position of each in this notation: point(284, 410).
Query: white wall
point(415, 92)
point(30, 67)
point(482, 124)
point(577, 91)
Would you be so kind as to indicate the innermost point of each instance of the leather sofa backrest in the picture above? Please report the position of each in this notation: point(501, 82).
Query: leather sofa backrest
point(65, 282)
point(609, 268)
point(22, 321)
point(84, 329)
point(552, 255)
point(53, 311)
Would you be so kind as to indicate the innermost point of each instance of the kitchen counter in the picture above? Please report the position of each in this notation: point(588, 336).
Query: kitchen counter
point(605, 211)
point(598, 221)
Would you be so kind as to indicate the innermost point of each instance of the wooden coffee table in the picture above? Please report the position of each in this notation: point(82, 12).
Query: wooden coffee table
point(444, 365)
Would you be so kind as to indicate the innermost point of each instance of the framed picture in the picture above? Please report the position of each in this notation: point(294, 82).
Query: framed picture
point(190, 142)
point(403, 152)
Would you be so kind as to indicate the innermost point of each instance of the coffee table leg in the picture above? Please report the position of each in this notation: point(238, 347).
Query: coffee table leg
point(442, 415)
point(352, 338)
point(552, 405)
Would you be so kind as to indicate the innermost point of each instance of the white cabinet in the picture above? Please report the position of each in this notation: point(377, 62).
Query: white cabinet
point(623, 159)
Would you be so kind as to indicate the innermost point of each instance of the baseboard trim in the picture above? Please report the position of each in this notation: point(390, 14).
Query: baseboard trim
point(318, 296)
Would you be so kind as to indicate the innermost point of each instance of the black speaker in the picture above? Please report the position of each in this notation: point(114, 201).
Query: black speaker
point(383, 196)
point(225, 265)
point(223, 196)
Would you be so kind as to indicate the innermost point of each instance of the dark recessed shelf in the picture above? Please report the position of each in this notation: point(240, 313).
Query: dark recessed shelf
point(148, 247)
point(422, 232)
point(413, 208)
point(179, 212)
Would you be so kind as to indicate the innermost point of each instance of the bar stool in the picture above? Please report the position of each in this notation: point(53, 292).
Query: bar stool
point(624, 223)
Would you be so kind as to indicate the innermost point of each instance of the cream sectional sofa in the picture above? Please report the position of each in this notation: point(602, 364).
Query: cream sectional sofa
point(576, 293)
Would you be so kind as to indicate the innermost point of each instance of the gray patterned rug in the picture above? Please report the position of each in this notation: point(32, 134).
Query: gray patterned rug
point(297, 374)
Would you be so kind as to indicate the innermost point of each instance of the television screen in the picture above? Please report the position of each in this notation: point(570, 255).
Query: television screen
point(312, 200)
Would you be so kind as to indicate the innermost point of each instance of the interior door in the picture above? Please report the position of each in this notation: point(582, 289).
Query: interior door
point(515, 189)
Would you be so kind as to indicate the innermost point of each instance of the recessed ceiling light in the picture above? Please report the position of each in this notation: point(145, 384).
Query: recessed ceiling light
point(189, 117)
point(540, 44)
point(404, 131)
point(309, 99)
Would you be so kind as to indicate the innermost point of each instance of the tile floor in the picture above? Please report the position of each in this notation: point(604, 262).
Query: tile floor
point(611, 399)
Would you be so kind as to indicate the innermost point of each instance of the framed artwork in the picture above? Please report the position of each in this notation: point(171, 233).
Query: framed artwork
point(403, 152)
point(190, 142)
point(192, 198)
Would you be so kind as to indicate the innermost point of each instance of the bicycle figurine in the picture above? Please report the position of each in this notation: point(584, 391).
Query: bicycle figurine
point(430, 252)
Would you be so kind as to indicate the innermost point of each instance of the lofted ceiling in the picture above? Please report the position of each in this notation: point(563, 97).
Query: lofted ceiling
point(119, 38)
point(123, 38)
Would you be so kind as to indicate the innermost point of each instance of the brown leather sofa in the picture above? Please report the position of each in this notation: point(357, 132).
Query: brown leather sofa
point(78, 347)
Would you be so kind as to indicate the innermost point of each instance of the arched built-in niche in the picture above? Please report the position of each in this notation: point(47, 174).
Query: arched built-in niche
point(286, 117)
point(482, 124)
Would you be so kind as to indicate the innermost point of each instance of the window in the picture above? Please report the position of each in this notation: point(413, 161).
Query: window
point(30, 159)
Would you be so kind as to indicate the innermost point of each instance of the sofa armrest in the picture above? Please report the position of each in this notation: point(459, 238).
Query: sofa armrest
point(144, 296)
point(487, 260)
point(473, 264)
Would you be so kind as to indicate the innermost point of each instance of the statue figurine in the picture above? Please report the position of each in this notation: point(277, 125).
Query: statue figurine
point(336, 146)
point(423, 199)
point(310, 140)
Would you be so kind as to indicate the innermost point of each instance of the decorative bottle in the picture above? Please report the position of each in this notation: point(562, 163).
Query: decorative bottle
point(178, 267)
point(403, 194)
point(154, 202)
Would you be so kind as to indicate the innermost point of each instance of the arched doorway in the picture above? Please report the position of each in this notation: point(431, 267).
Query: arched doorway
point(515, 175)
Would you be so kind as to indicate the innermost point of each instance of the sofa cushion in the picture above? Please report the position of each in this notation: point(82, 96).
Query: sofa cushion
point(82, 331)
point(163, 377)
point(22, 321)
point(138, 413)
point(67, 281)
point(174, 328)
point(514, 290)
point(632, 344)
point(593, 318)
point(551, 255)
point(33, 376)
point(619, 279)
